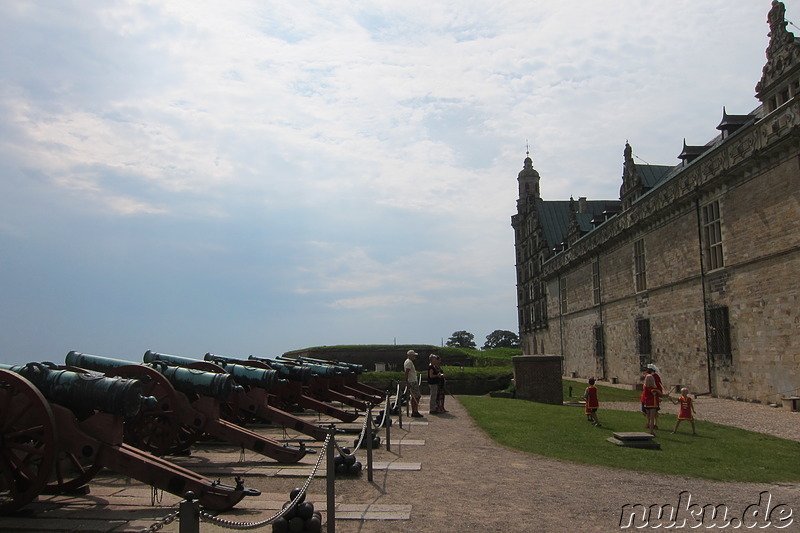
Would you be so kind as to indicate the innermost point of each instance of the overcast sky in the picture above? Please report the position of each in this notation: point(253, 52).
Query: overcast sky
point(251, 177)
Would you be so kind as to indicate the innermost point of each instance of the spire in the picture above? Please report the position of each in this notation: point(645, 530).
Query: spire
point(528, 178)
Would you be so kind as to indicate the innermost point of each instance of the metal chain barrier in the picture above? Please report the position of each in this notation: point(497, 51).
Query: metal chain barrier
point(360, 437)
point(230, 524)
point(398, 397)
point(161, 522)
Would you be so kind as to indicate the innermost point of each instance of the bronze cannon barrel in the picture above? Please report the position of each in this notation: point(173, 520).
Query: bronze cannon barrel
point(242, 374)
point(251, 376)
point(288, 371)
point(342, 368)
point(78, 390)
point(186, 380)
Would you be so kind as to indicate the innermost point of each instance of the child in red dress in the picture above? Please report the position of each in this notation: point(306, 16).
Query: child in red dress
point(592, 404)
point(650, 399)
point(687, 410)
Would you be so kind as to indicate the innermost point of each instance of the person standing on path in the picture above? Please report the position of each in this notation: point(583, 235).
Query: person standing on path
point(442, 385)
point(410, 375)
point(435, 378)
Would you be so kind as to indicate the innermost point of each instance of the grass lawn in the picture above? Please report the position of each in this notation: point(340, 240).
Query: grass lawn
point(718, 452)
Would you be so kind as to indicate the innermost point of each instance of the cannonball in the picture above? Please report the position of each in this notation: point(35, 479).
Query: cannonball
point(296, 524)
point(314, 524)
point(305, 510)
point(290, 513)
point(295, 492)
point(281, 525)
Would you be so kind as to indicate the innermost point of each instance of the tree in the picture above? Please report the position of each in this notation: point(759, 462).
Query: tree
point(501, 338)
point(461, 339)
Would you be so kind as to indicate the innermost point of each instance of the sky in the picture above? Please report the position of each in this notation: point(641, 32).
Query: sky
point(253, 177)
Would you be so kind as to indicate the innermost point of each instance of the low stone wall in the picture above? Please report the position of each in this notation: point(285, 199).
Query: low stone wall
point(391, 358)
point(469, 387)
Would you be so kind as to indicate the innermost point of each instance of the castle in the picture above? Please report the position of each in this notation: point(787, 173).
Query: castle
point(695, 268)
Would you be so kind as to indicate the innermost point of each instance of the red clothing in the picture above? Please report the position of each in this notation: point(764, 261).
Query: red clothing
point(659, 385)
point(650, 397)
point(686, 408)
point(591, 399)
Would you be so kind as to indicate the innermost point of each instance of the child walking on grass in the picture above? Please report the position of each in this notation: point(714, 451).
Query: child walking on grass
point(687, 410)
point(592, 404)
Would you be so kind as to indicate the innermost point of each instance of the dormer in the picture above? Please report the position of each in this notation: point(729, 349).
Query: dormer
point(731, 123)
point(690, 153)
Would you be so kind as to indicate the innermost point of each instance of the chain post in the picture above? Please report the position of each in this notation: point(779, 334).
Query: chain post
point(331, 479)
point(368, 437)
point(388, 421)
point(400, 410)
point(189, 512)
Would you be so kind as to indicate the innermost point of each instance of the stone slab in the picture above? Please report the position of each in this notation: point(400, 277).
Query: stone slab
point(633, 435)
point(644, 444)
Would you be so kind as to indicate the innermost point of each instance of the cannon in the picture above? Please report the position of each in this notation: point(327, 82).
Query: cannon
point(48, 447)
point(253, 400)
point(328, 382)
point(351, 377)
point(291, 389)
point(322, 383)
point(344, 378)
point(188, 405)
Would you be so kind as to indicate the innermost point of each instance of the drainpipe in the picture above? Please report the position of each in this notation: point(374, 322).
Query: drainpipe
point(709, 358)
point(561, 328)
point(602, 322)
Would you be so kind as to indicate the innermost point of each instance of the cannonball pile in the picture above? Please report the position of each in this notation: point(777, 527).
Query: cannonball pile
point(379, 417)
point(301, 518)
point(346, 463)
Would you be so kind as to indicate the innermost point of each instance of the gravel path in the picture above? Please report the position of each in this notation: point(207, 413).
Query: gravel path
point(761, 418)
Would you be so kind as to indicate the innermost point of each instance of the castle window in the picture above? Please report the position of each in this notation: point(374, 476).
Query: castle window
point(639, 271)
point(643, 345)
point(712, 236)
point(599, 344)
point(596, 281)
point(719, 331)
point(562, 292)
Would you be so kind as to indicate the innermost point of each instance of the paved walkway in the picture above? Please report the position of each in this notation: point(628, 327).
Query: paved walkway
point(779, 422)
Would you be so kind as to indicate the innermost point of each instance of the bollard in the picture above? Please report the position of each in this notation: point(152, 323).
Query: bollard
point(368, 437)
point(189, 514)
point(399, 414)
point(331, 480)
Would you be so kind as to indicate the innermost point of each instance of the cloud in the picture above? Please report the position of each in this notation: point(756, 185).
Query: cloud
point(227, 173)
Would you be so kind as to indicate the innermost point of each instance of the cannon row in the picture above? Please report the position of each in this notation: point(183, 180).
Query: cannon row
point(60, 425)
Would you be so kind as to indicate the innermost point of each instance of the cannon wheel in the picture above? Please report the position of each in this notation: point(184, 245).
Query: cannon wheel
point(27, 441)
point(157, 429)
